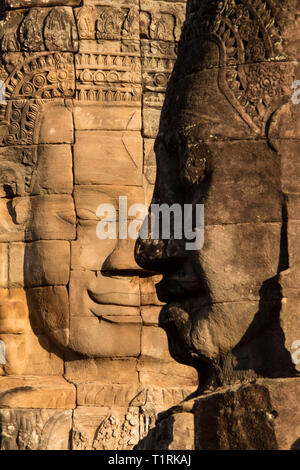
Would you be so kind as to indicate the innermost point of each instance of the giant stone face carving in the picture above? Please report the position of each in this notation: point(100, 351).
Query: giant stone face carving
point(78, 317)
point(229, 138)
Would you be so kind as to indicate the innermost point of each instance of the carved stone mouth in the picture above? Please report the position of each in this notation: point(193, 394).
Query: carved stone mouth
point(110, 321)
point(125, 299)
point(101, 318)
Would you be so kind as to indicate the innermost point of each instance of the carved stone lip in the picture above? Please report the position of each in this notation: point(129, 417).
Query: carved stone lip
point(110, 320)
point(108, 309)
point(124, 299)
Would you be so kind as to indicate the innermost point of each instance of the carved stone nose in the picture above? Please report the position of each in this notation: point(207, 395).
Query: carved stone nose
point(122, 258)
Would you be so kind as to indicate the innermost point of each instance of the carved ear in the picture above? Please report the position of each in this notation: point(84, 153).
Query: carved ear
point(21, 207)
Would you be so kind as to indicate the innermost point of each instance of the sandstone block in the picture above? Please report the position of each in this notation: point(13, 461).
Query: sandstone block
point(39, 3)
point(106, 116)
point(234, 197)
point(12, 226)
point(49, 309)
point(14, 315)
point(149, 161)
point(3, 265)
point(106, 371)
point(54, 170)
point(244, 276)
point(56, 125)
point(175, 432)
point(36, 392)
point(148, 290)
point(15, 360)
point(39, 263)
point(123, 153)
point(253, 417)
point(43, 357)
point(123, 18)
point(105, 336)
point(150, 315)
point(151, 119)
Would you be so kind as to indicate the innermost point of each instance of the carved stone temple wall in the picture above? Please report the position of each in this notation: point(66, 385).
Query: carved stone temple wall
point(84, 364)
point(89, 359)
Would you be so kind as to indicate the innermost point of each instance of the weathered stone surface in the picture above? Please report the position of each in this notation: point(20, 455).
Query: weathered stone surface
point(150, 375)
point(103, 370)
point(43, 357)
point(151, 118)
point(123, 154)
point(148, 290)
point(13, 228)
point(107, 117)
point(149, 161)
point(39, 3)
point(13, 311)
point(241, 278)
point(17, 170)
point(244, 188)
point(176, 432)
point(99, 394)
point(36, 392)
point(155, 364)
point(119, 427)
point(54, 170)
point(15, 359)
point(56, 125)
point(253, 417)
point(4, 264)
point(52, 217)
point(49, 311)
point(150, 315)
point(109, 21)
point(161, 20)
point(41, 263)
point(120, 336)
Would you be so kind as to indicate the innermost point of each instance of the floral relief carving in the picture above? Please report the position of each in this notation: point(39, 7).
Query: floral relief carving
point(247, 34)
